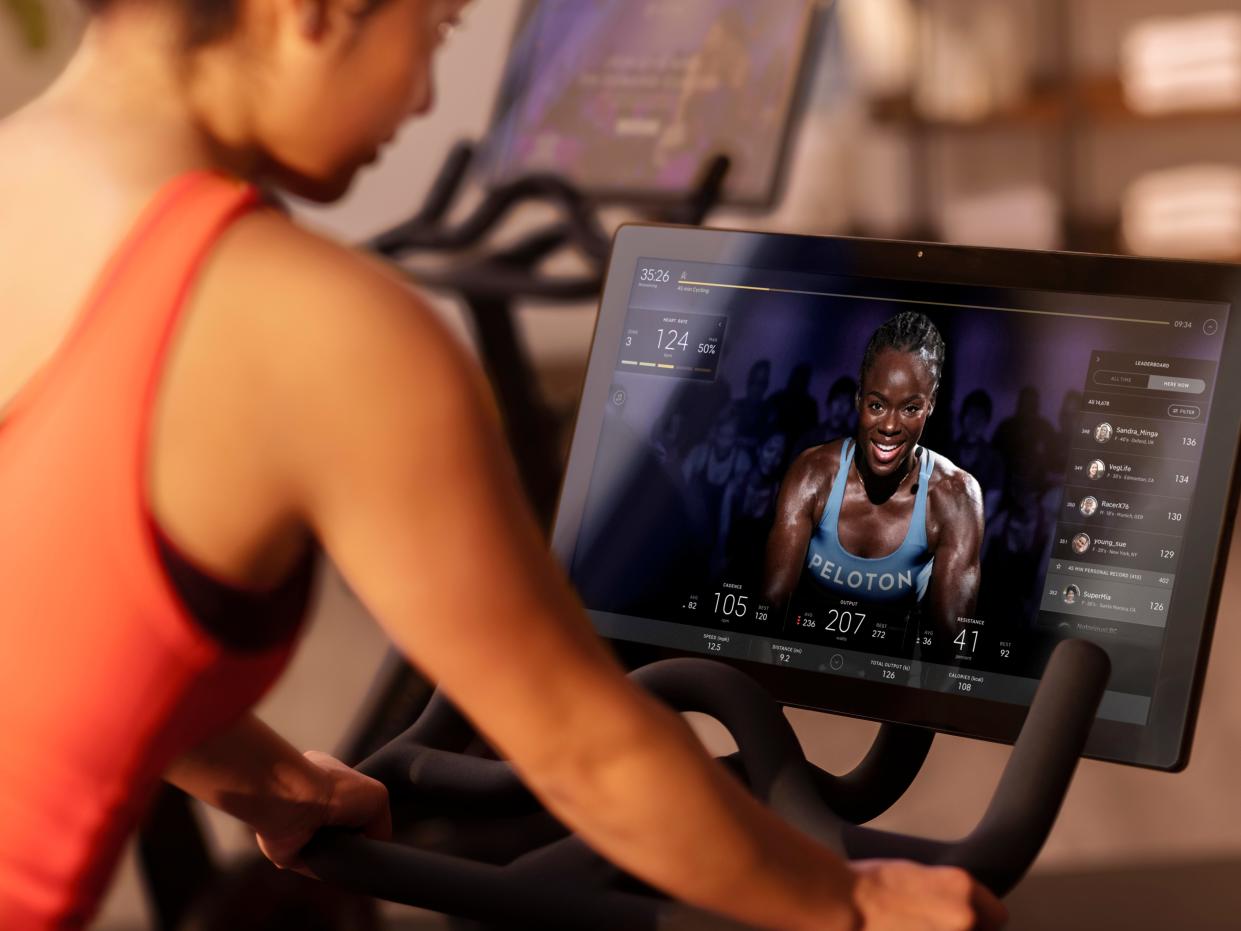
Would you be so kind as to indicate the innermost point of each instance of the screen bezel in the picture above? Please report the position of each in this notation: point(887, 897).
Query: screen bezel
point(1164, 742)
point(794, 105)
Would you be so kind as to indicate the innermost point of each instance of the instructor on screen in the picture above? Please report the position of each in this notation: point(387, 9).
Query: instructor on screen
point(878, 518)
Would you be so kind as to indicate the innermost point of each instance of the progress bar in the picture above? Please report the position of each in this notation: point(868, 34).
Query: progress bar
point(907, 300)
point(664, 365)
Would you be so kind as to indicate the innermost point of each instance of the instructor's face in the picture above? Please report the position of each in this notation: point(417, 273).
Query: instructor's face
point(896, 398)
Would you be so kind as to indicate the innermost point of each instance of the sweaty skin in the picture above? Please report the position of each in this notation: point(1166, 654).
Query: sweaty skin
point(895, 400)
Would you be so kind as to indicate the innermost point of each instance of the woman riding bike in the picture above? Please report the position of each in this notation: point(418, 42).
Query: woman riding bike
point(197, 396)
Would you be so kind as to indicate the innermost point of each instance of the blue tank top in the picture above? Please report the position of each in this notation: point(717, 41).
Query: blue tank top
point(900, 576)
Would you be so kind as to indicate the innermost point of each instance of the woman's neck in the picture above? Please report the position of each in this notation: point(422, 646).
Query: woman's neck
point(133, 97)
point(882, 488)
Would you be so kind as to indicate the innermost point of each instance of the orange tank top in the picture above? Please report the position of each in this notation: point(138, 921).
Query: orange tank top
point(104, 675)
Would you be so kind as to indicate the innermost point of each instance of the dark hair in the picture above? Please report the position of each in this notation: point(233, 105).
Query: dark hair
point(979, 400)
point(206, 21)
point(908, 332)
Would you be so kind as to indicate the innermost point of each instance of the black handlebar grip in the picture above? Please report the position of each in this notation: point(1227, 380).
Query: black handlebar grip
point(1004, 845)
point(998, 852)
point(770, 753)
point(512, 897)
point(881, 778)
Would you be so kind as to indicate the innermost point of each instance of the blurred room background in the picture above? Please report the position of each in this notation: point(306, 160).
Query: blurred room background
point(1091, 125)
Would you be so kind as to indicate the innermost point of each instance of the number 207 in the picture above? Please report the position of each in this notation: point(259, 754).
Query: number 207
point(845, 622)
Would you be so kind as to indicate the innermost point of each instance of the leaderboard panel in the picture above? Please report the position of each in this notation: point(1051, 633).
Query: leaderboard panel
point(1128, 491)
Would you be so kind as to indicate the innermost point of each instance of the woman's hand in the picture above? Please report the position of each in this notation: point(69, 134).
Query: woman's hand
point(343, 798)
point(258, 777)
point(893, 895)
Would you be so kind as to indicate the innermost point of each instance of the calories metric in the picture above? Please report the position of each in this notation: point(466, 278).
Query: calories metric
point(660, 342)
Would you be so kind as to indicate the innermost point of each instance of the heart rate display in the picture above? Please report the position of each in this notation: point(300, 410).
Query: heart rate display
point(682, 345)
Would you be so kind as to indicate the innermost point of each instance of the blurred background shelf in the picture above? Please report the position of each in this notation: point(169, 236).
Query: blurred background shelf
point(1086, 125)
point(1098, 102)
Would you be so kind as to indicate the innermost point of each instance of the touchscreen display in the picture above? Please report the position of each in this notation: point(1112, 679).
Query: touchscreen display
point(629, 96)
point(920, 485)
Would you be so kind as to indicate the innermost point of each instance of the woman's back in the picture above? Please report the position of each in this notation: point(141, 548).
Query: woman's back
point(112, 670)
point(180, 362)
point(74, 185)
point(140, 327)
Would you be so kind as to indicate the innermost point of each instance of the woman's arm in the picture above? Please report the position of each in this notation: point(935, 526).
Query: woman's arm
point(796, 510)
point(407, 483)
point(257, 776)
point(379, 425)
point(955, 504)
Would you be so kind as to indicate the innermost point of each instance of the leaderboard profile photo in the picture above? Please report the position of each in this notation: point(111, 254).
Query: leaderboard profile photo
point(1089, 506)
point(1071, 594)
point(1096, 470)
point(1103, 433)
point(1080, 543)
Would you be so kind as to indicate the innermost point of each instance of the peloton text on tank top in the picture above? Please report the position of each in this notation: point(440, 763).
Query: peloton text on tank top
point(901, 576)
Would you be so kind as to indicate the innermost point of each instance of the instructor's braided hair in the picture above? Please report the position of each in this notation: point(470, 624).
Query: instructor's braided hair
point(908, 332)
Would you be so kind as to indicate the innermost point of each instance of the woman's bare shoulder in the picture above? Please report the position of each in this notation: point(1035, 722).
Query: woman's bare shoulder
point(953, 491)
point(819, 462)
point(269, 257)
point(330, 342)
point(302, 299)
point(812, 473)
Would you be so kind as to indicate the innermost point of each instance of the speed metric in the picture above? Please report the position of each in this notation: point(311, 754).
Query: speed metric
point(660, 342)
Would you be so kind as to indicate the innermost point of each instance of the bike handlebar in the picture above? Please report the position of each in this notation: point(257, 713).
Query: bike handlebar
point(551, 888)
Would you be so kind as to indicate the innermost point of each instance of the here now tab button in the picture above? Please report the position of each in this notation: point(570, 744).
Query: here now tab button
point(1172, 383)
